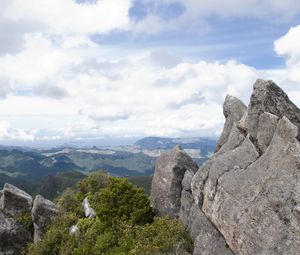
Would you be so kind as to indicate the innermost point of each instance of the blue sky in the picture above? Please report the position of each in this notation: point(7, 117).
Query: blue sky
point(123, 69)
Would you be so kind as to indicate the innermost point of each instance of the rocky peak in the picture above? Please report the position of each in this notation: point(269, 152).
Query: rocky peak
point(246, 198)
point(270, 98)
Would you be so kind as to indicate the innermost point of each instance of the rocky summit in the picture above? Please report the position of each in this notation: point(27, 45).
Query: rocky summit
point(246, 198)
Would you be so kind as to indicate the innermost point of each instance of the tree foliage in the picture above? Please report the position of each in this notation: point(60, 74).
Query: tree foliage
point(124, 223)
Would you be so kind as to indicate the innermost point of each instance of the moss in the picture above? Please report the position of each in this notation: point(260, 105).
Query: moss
point(25, 220)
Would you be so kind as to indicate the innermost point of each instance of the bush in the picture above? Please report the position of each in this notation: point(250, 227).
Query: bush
point(124, 223)
point(121, 201)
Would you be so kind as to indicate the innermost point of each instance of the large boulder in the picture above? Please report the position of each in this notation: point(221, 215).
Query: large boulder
point(43, 211)
point(167, 181)
point(15, 201)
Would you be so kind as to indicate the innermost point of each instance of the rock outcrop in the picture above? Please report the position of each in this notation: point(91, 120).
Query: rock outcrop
point(42, 212)
point(16, 210)
point(170, 170)
point(246, 198)
point(15, 201)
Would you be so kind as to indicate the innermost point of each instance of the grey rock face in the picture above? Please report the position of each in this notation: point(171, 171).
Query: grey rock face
point(233, 110)
point(268, 97)
point(266, 128)
point(207, 240)
point(88, 210)
point(249, 189)
point(167, 181)
point(13, 235)
point(246, 198)
point(43, 211)
point(15, 201)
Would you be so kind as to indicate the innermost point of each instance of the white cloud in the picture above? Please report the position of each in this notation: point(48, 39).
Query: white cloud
point(288, 47)
point(65, 85)
point(69, 17)
point(9, 133)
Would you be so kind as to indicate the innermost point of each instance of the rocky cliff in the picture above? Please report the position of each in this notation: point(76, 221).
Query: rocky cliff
point(246, 198)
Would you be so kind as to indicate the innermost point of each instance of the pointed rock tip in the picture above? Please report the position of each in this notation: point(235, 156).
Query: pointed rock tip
point(262, 83)
point(178, 147)
point(229, 99)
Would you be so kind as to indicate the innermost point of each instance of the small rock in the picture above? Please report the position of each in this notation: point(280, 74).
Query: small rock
point(89, 212)
point(74, 230)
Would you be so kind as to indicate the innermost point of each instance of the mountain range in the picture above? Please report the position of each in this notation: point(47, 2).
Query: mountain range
point(44, 170)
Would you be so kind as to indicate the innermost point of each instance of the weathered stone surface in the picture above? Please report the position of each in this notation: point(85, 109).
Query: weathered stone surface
point(235, 139)
point(13, 236)
point(266, 128)
point(187, 180)
point(247, 196)
point(43, 211)
point(268, 97)
point(233, 110)
point(167, 181)
point(89, 212)
point(207, 240)
point(15, 201)
point(254, 208)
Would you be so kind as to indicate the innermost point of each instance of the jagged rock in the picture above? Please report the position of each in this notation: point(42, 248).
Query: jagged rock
point(233, 110)
point(13, 235)
point(43, 211)
point(88, 210)
point(254, 207)
point(247, 196)
point(167, 181)
point(253, 199)
point(266, 129)
point(14, 200)
point(268, 97)
point(235, 139)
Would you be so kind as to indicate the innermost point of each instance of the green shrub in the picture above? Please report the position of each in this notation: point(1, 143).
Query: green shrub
point(124, 223)
point(121, 201)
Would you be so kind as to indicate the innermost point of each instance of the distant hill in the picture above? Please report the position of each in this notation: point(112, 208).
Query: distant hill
point(151, 143)
point(44, 171)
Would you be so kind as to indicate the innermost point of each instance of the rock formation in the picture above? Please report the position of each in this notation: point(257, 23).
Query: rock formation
point(246, 198)
point(42, 212)
point(167, 186)
point(15, 212)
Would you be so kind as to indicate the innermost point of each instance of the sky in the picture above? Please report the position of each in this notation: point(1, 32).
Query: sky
point(89, 70)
